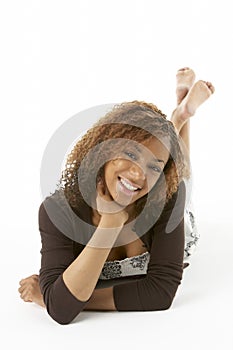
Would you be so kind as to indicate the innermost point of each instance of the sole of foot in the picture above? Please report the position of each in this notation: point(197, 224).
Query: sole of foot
point(198, 94)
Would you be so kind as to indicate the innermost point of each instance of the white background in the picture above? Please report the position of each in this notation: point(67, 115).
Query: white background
point(61, 57)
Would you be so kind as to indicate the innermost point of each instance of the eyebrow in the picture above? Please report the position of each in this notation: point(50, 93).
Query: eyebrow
point(154, 159)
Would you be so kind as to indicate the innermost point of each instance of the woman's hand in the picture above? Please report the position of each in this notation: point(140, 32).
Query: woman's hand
point(29, 290)
point(111, 212)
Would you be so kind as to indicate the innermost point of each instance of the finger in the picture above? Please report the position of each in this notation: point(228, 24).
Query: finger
point(26, 296)
point(100, 188)
point(34, 276)
point(104, 193)
point(22, 282)
point(21, 289)
point(108, 194)
point(25, 280)
point(27, 300)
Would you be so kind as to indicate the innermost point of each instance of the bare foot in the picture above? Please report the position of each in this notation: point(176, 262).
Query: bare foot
point(198, 94)
point(30, 290)
point(184, 80)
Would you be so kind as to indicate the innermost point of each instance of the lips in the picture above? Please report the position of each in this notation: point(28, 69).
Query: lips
point(128, 184)
point(127, 187)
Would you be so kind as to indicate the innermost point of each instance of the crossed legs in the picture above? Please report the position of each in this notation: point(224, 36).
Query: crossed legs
point(190, 96)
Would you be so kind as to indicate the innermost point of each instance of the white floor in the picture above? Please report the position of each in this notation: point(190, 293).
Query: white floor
point(200, 317)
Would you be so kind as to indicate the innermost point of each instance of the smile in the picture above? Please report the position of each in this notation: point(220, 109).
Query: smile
point(126, 187)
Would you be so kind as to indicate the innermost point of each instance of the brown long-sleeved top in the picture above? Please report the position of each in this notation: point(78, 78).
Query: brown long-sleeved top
point(153, 291)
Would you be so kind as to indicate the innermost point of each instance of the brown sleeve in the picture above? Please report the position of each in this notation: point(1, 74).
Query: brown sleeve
point(57, 253)
point(157, 290)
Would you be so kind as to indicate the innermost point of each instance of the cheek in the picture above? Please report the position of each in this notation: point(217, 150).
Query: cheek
point(151, 180)
point(112, 167)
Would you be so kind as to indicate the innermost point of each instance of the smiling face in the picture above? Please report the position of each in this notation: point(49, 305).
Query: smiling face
point(135, 171)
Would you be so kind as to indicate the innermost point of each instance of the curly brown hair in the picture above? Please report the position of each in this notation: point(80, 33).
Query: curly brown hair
point(137, 121)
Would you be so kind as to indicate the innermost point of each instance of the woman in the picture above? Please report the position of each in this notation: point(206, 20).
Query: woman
point(113, 233)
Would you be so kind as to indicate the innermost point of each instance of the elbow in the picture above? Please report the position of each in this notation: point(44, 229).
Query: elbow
point(159, 305)
point(61, 320)
point(61, 316)
point(166, 304)
point(61, 305)
point(60, 311)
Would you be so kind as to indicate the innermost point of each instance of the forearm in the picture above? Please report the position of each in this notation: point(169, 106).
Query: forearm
point(82, 275)
point(101, 299)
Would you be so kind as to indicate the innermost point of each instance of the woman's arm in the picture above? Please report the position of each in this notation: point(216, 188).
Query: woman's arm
point(157, 290)
point(68, 278)
point(82, 275)
point(67, 281)
point(102, 300)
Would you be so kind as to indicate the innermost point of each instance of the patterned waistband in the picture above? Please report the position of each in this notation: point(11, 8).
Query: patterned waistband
point(136, 265)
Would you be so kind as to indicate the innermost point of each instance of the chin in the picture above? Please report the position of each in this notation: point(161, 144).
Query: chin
point(125, 202)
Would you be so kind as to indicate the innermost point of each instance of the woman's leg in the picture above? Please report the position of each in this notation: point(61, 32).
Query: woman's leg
point(189, 97)
point(185, 78)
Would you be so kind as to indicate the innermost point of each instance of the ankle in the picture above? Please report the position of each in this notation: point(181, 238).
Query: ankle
point(179, 118)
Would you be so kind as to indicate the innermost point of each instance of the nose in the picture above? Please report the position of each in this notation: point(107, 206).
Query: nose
point(137, 172)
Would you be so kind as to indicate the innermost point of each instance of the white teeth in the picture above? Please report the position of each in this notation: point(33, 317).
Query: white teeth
point(128, 186)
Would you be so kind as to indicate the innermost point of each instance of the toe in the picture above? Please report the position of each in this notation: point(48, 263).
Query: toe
point(183, 69)
point(210, 86)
